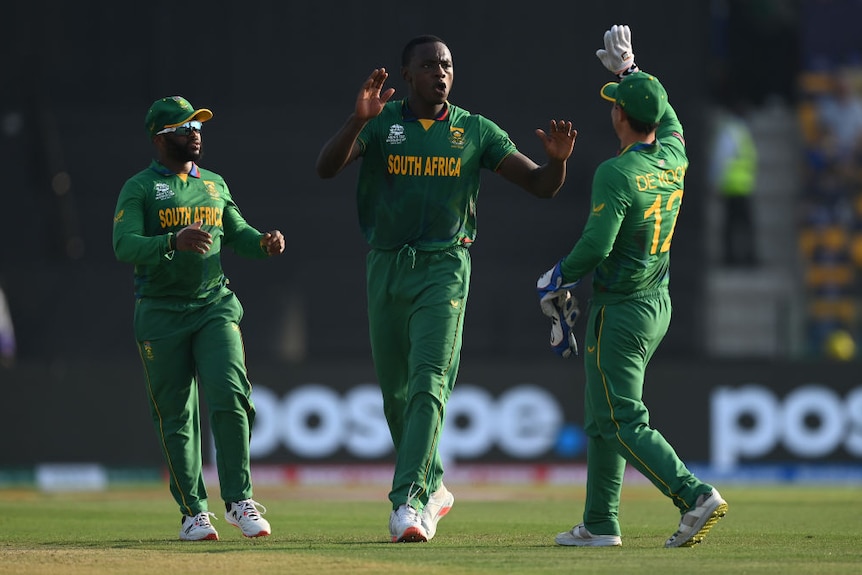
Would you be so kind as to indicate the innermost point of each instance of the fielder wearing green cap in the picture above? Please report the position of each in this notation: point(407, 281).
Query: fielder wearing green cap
point(172, 221)
point(625, 245)
point(171, 112)
point(640, 95)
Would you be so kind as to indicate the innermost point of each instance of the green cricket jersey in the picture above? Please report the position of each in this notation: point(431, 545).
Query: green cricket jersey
point(636, 197)
point(155, 203)
point(419, 180)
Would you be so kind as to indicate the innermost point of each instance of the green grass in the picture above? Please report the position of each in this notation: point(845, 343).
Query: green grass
point(768, 529)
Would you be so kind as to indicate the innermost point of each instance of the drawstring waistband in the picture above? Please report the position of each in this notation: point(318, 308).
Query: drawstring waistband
point(411, 253)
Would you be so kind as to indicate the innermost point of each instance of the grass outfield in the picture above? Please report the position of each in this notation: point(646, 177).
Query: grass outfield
point(768, 529)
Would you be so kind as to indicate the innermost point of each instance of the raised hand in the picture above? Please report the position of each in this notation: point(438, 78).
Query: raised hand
point(370, 101)
point(559, 140)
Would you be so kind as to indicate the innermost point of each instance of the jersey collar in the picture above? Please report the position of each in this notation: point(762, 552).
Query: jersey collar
point(408, 116)
point(160, 169)
point(641, 146)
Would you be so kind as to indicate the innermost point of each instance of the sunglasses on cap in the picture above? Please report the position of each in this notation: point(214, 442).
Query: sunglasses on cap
point(184, 130)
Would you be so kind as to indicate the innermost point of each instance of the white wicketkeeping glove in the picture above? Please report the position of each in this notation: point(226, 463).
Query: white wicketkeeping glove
point(558, 304)
point(617, 55)
point(563, 311)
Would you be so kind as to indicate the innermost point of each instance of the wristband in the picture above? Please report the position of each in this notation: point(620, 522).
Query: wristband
point(172, 242)
point(631, 70)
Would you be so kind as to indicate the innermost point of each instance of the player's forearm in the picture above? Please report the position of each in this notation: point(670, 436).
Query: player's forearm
point(240, 236)
point(594, 245)
point(669, 124)
point(545, 181)
point(339, 150)
point(582, 260)
point(246, 243)
point(142, 250)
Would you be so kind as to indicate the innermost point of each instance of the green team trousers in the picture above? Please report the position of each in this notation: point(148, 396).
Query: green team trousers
point(621, 338)
point(416, 304)
point(184, 346)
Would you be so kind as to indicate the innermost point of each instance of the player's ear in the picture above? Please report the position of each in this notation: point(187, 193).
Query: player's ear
point(623, 116)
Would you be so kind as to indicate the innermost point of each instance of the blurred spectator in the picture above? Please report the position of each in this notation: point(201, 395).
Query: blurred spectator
point(733, 173)
point(840, 117)
point(840, 346)
point(829, 222)
point(7, 333)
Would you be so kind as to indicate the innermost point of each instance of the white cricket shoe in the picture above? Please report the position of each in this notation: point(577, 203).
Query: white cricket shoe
point(198, 527)
point(439, 504)
point(579, 536)
point(405, 526)
point(695, 524)
point(246, 515)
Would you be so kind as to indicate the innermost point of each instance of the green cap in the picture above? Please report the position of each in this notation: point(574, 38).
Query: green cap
point(172, 111)
point(640, 95)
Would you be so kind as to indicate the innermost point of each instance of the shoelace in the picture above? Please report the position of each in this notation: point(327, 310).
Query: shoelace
point(249, 508)
point(202, 519)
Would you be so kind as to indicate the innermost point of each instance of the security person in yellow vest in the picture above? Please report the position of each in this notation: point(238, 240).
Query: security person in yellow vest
point(734, 174)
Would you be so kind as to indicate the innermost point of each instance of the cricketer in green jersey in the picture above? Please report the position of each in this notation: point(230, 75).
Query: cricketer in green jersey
point(625, 244)
point(418, 188)
point(172, 221)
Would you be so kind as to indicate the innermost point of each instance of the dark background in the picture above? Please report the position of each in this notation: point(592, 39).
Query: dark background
point(281, 77)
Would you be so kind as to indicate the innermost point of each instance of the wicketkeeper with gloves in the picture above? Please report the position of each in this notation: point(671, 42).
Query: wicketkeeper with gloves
point(625, 244)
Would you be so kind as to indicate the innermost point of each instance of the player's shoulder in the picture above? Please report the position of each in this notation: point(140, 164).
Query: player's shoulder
point(206, 174)
point(392, 113)
point(140, 179)
point(616, 164)
point(458, 111)
point(146, 173)
point(470, 122)
point(616, 171)
point(392, 109)
point(458, 114)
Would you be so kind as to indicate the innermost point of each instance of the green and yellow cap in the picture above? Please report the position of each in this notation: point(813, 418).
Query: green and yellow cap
point(640, 95)
point(172, 111)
